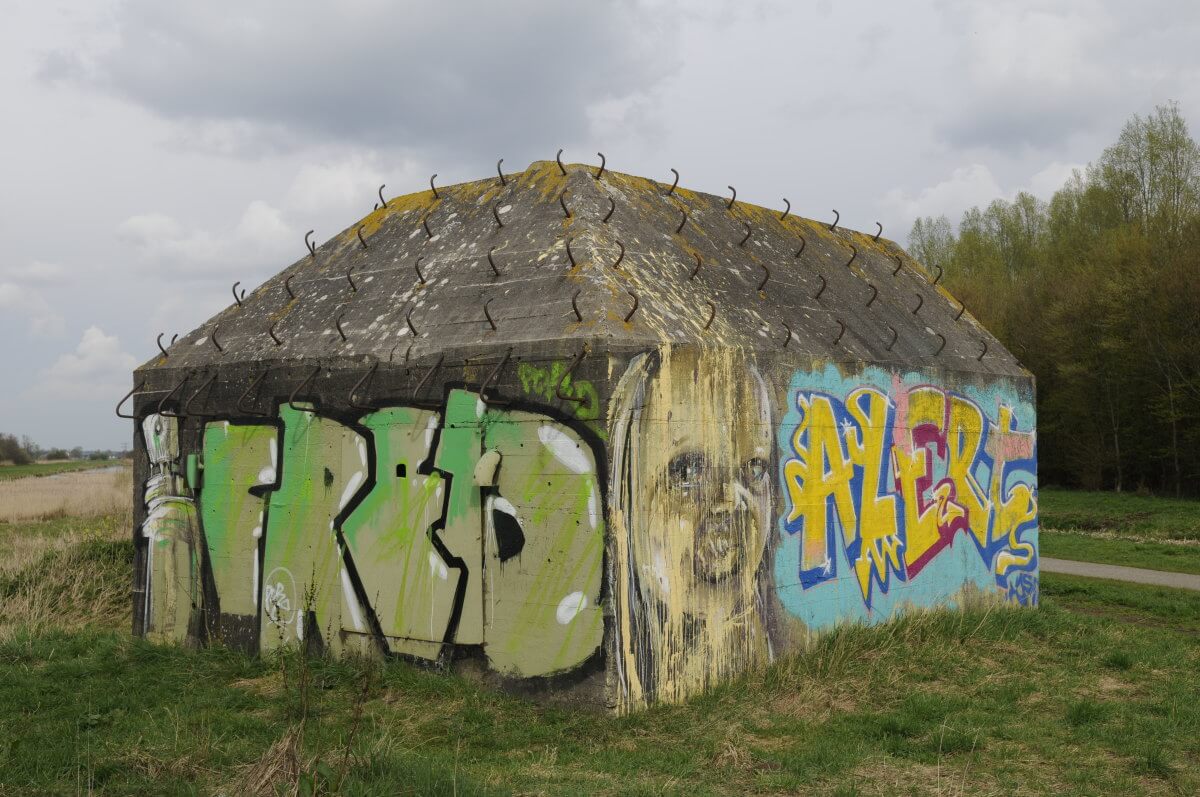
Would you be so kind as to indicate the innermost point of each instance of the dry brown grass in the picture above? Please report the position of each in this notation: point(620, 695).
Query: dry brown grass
point(81, 494)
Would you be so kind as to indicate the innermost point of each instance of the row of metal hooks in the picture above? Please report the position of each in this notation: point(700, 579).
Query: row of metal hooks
point(245, 402)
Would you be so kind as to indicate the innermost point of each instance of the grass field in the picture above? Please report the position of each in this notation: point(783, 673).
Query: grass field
point(71, 494)
point(9, 472)
point(1121, 529)
point(1095, 693)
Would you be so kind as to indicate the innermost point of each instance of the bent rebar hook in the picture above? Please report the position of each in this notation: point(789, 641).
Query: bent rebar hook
point(128, 396)
point(357, 385)
point(483, 389)
point(253, 388)
point(291, 402)
point(558, 390)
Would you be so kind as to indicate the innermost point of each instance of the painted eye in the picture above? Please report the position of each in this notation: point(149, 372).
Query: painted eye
point(687, 471)
point(754, 472)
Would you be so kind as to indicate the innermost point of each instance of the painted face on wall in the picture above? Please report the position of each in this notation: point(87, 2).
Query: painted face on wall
point(707, 478)
point(691, 489)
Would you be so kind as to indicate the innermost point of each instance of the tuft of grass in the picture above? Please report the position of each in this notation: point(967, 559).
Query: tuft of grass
point(1085, 712)
point(1173, 556)
point(1119, 660)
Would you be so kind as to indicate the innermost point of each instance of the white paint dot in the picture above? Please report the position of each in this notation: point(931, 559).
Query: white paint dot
point(569, 607)
point(438, 567)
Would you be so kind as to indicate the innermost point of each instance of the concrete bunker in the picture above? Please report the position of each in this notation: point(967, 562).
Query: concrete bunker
point(586, 434)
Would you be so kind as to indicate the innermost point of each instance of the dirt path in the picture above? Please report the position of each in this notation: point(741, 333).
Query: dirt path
point(1137, 575)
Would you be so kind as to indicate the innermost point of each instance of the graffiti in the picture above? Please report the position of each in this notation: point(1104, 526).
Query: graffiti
point(544, 382)
point(882, 475)
point(691, 492)
point(404, 530)
point(172, 564)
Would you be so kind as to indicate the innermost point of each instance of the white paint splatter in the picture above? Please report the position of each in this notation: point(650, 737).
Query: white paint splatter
point(438, 567)
point(593, 509)
point(352, 601)
point(565, 450)
point(504, 505)
point(569, 607)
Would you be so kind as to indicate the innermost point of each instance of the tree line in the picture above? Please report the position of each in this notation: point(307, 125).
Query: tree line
point(1097, 292)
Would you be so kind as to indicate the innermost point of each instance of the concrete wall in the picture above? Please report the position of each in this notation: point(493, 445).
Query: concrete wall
point(692, 513)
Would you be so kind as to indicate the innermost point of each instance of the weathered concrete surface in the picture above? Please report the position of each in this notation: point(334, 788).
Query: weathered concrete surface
point(1134, 575)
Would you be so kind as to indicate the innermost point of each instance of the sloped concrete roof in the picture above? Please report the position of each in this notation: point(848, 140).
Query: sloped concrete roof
point(610, 261)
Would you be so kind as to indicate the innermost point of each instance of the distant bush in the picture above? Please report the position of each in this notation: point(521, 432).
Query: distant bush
point(57, 453)
point(12, 451)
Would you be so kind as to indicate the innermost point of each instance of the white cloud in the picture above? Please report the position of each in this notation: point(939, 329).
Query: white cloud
point(21, 301)
point(259, 243)
point(36, 271)
point(98, 366)
point(337, 185)
point(1053, 177)
point(964, 188)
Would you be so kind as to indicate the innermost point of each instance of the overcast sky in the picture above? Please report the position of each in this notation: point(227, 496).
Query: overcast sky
point(154, 152)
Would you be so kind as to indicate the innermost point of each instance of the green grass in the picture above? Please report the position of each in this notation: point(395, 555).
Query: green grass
point(8, 472)
point(1126, 515)
point(1095, 693)
point(1153, 555)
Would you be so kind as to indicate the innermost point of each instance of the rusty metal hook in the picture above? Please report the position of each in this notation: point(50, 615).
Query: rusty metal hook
point(496, 213)
point(682, 221)
point(158, 340)
point(417, 266)
point(746, 237)
point(920, 302)
point(732, 199)
point(878, 233)
point(803, 244)
point(382, 201)
point(985, 348)
point(237, 298)
point(712, 313)
point(503, 182)
point(360, 238)
point(433, 187)
point(612, 207)
point(602, 162)
point(425, 224)
point(899, 265)
point(895, 336)
point(786, 210)
point(241, 402)
point(787, 339)
point(821, 290)
point(491, 377)
point(766, 277)
point(271, 332)
point(841, 331)
point(570, 254)
point(163, 401)
point(291, 402)
point(287, 284)
point(350, 279)
point(874, 294)
point(939, 348)
point(621, 256)
point(492, 262)
point(312, 249)
point(428, 374)
point(359, 384)
point(938, 278)
point(575, 306)
point(854, 254)
point(836, 218)
point(558, 390)
point(961, 308)
point(558, 159)
point(128, 396)
point(696, 270)
point(174, 338)
point(490, 320)
point(212, 336)
point(675, 184)
point(188, 404)
point(338, 323)
point(562, 200)
point(408, 320)
point(636, 302)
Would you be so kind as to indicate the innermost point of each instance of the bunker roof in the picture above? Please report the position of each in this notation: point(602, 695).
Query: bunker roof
point(578, 255)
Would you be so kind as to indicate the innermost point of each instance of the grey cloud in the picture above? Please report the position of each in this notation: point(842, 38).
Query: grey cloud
point(419, 76)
